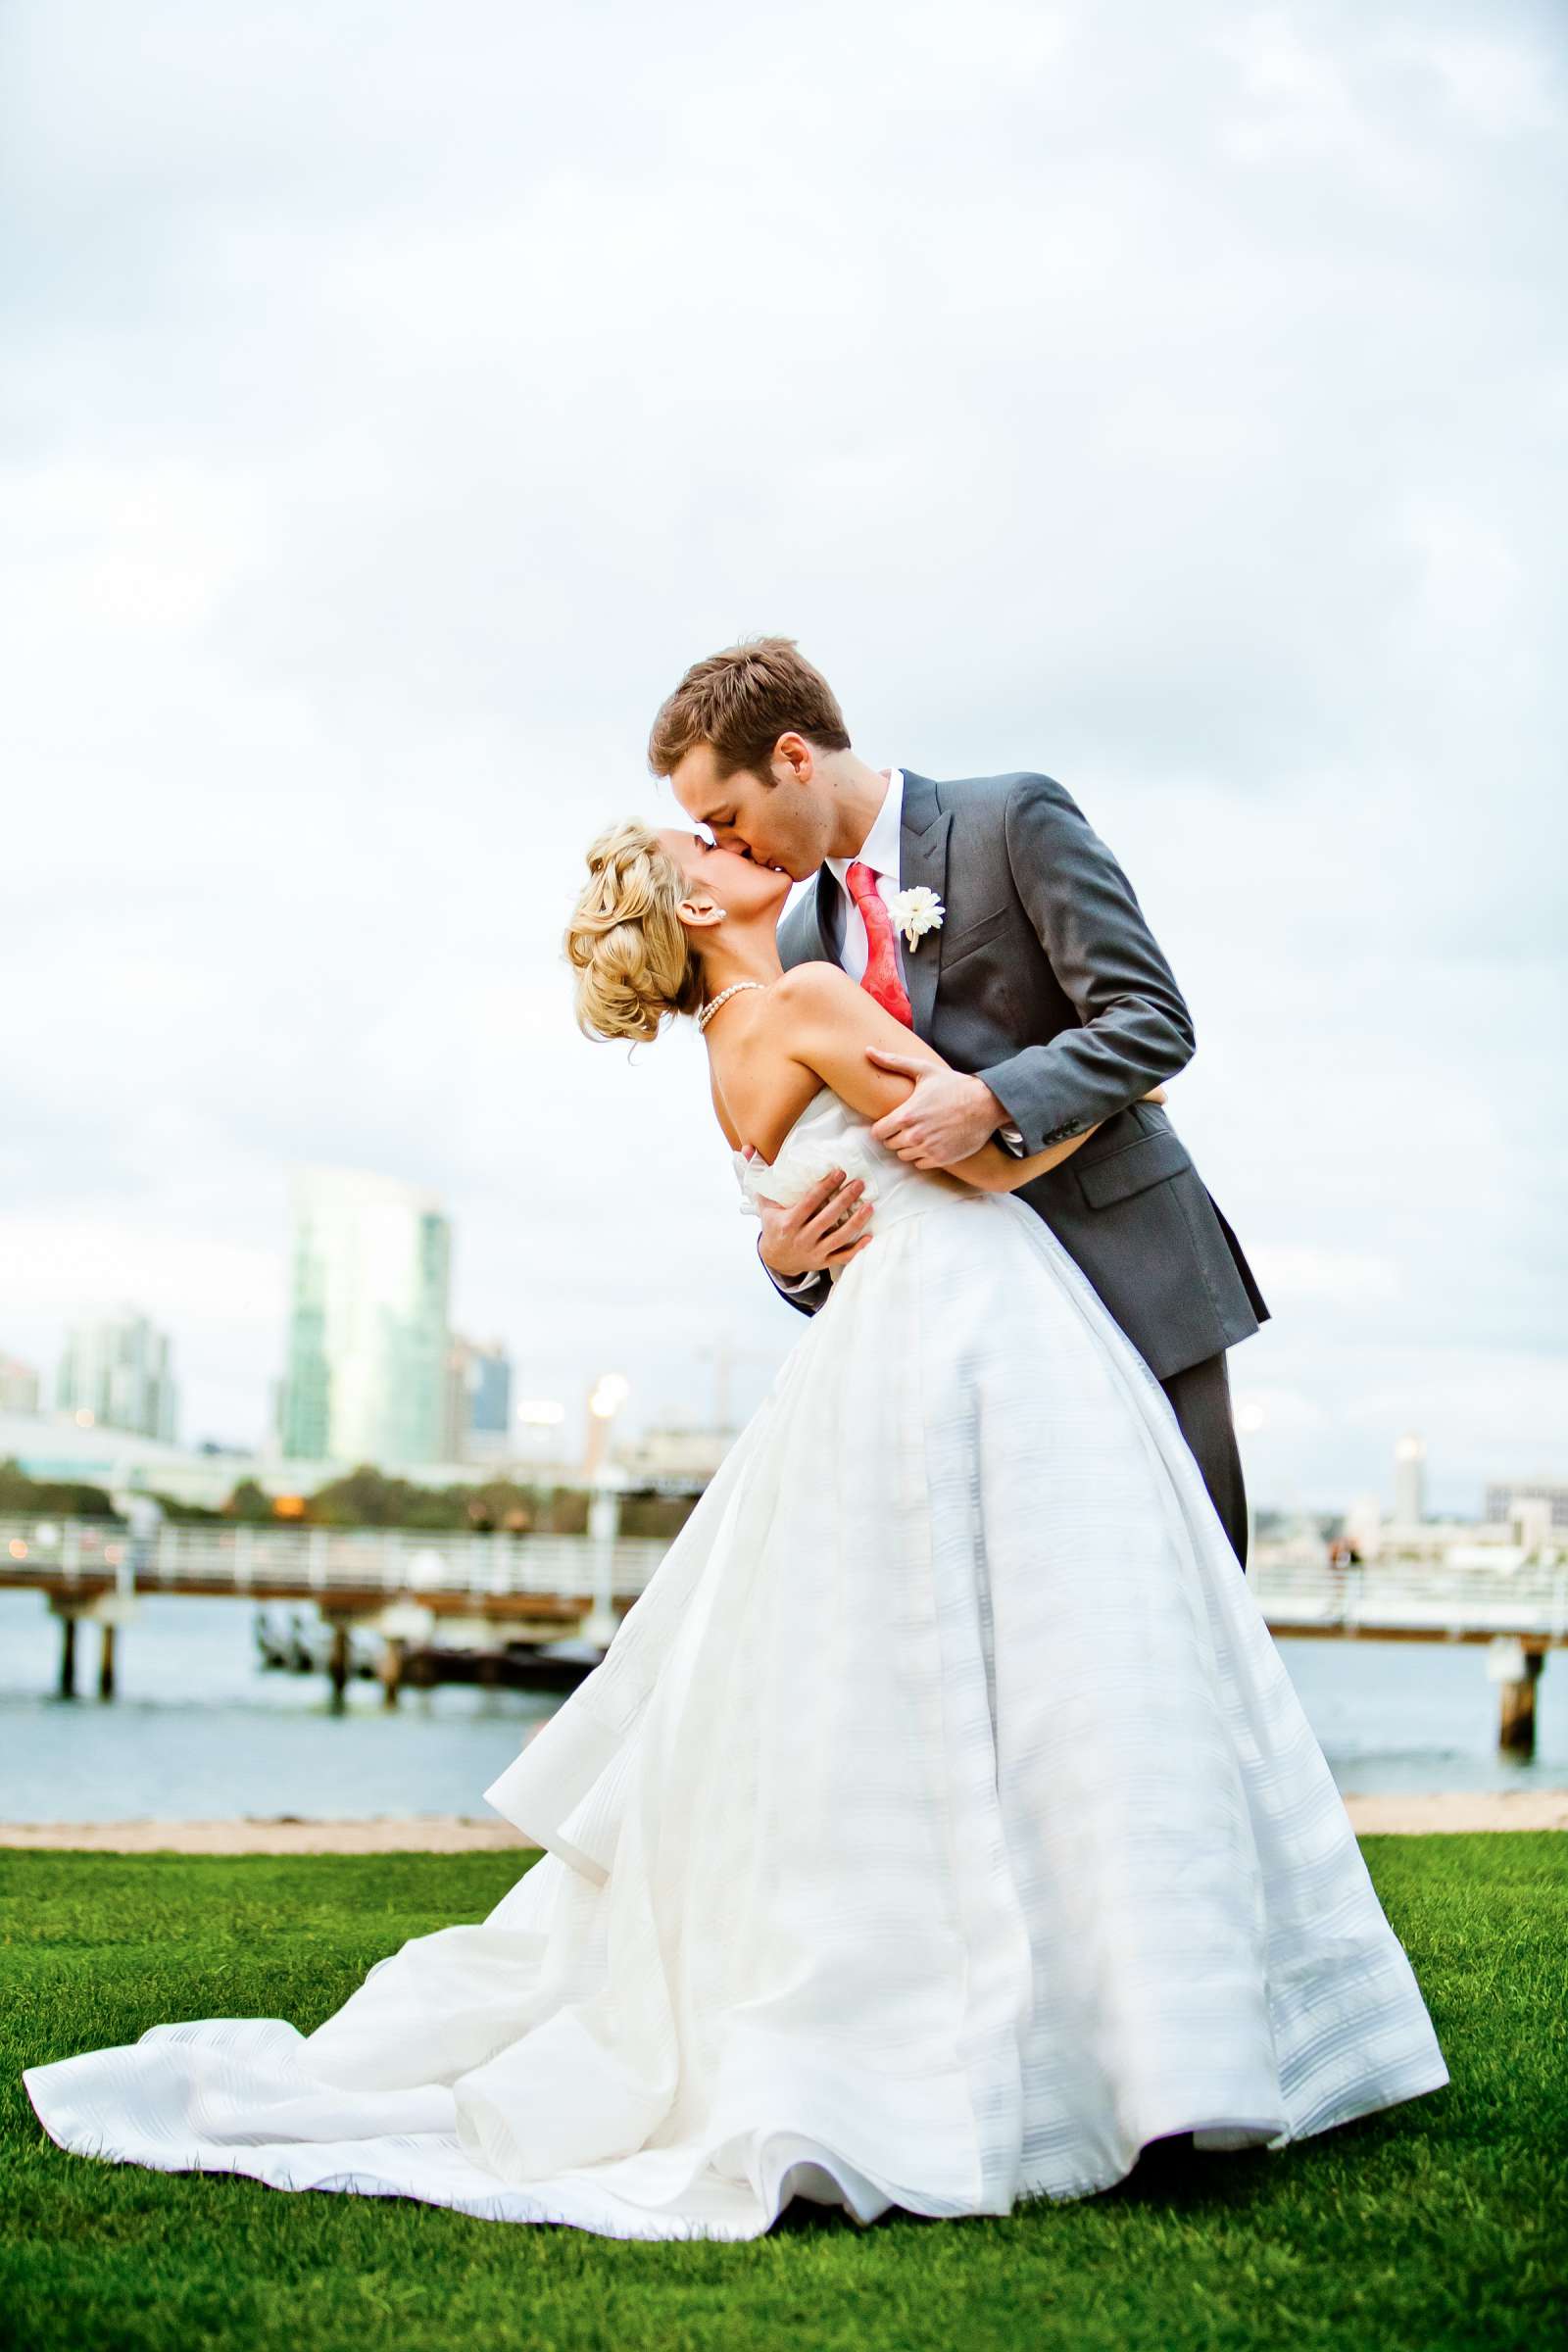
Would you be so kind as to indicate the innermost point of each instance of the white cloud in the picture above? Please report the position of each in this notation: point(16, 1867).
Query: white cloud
point(1504, 87)
point(1166, 400)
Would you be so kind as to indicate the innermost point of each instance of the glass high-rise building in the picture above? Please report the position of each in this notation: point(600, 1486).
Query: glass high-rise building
point(365, 1377)
point(117, 1373)
point(492, 1391)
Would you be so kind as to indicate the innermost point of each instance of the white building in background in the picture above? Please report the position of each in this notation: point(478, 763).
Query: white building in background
point(19, 1387)
point(1520, 1525)
point(1410, 1479)
point(478, 1402)
point(1506, 1498)
point(678, 1455)
point(117, 1372)
point(368, 1341)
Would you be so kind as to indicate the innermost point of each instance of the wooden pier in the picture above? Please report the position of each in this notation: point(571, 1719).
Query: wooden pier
point(1518, 1611)
point(495, 1596)
point(498, 1608)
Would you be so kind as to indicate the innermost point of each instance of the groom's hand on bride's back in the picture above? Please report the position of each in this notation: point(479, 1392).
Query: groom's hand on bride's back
point(820, 1233)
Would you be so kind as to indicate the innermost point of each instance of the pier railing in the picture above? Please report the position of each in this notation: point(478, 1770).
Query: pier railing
point(1413, 1599)
point(540, 1589)
point(1408, 1598)
point(322, 1562)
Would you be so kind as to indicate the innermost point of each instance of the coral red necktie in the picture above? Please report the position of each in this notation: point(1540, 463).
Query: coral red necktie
point(881, 977)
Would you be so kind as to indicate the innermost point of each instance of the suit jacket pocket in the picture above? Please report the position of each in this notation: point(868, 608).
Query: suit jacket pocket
point(954, 950)
point(1131, 1169)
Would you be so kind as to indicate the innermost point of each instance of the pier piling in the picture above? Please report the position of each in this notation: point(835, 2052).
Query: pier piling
point(338, 1663)
point(1516, 1670)
point(392, 1670)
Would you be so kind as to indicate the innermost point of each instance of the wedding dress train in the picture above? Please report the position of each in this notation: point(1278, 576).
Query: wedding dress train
point(940, 1827)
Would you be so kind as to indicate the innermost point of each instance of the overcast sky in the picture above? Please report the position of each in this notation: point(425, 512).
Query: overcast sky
point(397, 398)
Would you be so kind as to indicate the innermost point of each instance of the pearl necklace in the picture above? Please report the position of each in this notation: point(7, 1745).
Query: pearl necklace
point(707, 1012)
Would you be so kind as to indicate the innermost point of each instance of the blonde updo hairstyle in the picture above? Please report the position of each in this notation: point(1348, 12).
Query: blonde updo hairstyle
point(632, 955)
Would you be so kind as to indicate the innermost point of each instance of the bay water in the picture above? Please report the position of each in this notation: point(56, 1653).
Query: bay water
point(199, 1731)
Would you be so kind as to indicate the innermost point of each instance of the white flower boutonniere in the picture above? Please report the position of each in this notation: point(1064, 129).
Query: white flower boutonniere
point(916, 913)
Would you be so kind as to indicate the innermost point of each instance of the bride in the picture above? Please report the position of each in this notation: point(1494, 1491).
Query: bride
point(941, 1825)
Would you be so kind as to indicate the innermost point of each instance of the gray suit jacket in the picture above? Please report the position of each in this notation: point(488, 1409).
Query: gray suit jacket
point(1044, 980)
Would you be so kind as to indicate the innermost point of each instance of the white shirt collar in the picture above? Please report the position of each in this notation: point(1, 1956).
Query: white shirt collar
point(880, 849)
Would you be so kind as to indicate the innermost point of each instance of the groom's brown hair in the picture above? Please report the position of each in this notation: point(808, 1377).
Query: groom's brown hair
point(742, 701)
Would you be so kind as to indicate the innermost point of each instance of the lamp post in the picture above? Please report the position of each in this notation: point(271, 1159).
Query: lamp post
point(538, 1416)
point(604, 1400)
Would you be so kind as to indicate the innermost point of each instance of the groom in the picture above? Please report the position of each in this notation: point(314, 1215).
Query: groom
point(1042, 985)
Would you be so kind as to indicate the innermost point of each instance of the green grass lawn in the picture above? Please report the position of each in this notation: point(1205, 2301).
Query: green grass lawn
point(1440, 2223)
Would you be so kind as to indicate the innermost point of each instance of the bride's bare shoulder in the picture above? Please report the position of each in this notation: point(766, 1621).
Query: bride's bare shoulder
point(815, 987)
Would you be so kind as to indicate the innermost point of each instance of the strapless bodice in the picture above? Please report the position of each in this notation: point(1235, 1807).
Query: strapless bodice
point(828, 1134)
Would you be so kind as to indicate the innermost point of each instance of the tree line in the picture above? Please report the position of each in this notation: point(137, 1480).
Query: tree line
point(365, 1497)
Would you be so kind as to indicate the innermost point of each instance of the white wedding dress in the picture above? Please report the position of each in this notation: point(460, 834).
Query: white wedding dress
point(941, 1825)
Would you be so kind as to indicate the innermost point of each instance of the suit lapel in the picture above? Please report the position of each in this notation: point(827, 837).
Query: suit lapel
point(800, 935)
point(923, 832)
point(923, 859)
point(823, 913)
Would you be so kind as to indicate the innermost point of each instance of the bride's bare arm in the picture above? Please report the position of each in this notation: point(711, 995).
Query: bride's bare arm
point(826, 1021)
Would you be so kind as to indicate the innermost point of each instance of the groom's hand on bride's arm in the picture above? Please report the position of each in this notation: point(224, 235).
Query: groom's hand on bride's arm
point(819, 1233)
point(949, 1116)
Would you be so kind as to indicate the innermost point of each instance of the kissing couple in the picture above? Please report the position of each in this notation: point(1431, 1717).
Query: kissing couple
point(941, 1827)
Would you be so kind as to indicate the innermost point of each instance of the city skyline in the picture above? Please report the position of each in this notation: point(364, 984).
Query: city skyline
point(35, 1434)
point(450, 1356)
point(476, 1388)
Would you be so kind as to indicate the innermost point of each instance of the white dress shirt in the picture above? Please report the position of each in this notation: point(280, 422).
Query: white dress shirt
point(852, 950)
point(880, 852)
